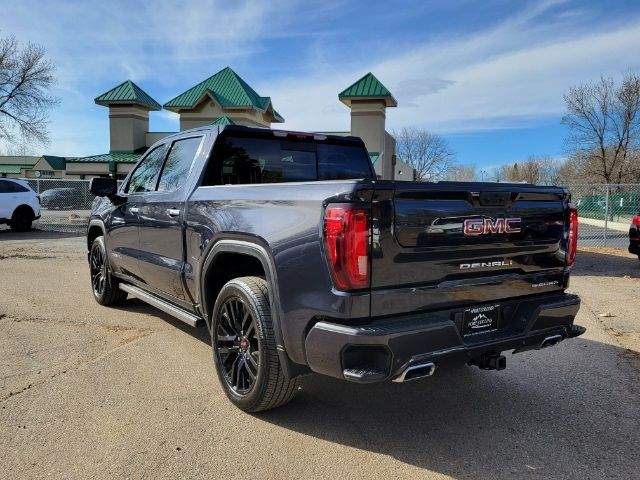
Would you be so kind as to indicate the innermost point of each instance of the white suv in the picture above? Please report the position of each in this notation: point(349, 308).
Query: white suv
point(19, 204)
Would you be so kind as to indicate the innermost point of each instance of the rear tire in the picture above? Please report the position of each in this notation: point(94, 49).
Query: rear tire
point(21, 219)
point(244, 347)
point(105, 288)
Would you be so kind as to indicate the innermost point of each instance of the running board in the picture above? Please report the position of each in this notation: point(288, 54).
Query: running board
point(160, 304)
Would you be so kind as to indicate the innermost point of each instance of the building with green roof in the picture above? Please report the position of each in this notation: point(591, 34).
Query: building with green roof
point(224, 98)
point(366, 89)
point(46, 166)
point(368, 99)
point(224, 94)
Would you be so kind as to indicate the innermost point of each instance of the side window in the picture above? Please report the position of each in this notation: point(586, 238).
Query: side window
point(17, 188)
point(145, 176)
point(178, 164)
point(11, 187)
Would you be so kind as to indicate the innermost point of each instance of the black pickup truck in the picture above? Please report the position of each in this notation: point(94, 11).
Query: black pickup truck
point(298, 260)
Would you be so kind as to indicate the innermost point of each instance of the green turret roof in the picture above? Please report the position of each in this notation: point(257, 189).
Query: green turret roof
point(368, 87)
point(223, 121)
point(127, 93)
point(229, 90)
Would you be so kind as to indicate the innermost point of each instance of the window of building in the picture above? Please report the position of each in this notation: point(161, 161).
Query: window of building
point(249, 160)
point(178, 164)
point(145, 176)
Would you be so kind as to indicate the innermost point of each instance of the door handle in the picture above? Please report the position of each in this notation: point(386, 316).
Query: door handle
point(134, 209)
point(173, 212)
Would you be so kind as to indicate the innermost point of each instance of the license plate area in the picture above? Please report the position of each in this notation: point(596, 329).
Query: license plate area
point(480, 319)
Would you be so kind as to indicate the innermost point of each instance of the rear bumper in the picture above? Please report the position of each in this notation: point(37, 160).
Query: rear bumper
point(384, 349)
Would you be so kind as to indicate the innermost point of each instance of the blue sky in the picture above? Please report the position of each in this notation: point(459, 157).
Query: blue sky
point(488, 75)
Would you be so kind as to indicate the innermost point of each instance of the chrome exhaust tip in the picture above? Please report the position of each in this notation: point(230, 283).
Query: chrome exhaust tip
point(415, 371)
point(550, 341)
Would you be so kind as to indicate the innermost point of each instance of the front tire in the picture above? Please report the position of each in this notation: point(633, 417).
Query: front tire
point(105, 288)
point(244, 347)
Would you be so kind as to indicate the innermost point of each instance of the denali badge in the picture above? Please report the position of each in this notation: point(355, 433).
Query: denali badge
point(503, 263)
point(480, 226)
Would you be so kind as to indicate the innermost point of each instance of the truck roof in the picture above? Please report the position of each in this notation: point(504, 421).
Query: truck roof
point(217, 129)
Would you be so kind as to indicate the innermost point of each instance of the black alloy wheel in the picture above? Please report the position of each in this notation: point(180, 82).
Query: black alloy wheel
point(238, 346)
point(106, 288)
point(98, 270)
point(245, 353)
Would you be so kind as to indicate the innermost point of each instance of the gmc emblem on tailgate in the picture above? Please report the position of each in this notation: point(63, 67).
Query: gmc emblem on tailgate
point(473, 227)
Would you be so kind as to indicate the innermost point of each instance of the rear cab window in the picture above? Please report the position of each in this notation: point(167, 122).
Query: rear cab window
point(249, 159)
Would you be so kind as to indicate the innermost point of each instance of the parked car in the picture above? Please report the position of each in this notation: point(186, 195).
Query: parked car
point(19, 204)
point(298, 260)
point(634, 236)
point(60, 198)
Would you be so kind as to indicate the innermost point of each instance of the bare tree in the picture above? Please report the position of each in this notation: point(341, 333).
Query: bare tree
point(506, 173)
point(543, 170)
point(429, 154)
point(604, 124)
point(462, 173)
point(25, 77)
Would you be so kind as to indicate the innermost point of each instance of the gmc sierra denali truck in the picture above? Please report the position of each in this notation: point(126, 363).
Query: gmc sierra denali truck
point(298, 260)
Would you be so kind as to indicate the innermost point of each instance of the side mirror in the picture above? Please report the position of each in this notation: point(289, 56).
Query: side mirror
point(103, 187)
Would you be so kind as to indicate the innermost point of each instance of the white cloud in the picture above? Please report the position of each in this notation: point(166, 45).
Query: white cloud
point(508, 76)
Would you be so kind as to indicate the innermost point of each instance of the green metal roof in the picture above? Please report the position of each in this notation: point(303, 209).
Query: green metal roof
point(118, 157)
point(19, 160)
point(228, 89)
point(6, 168)
point(223, 121)
point(367, 87)
point(374, 156)
point(127, 93)
point(57, 163)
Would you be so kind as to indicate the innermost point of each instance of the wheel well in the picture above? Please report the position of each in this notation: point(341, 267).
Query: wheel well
point(94, 232)
point(227, 266)
point(24, 208)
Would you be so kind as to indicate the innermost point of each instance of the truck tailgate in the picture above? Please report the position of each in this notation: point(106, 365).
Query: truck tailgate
point(456, 243)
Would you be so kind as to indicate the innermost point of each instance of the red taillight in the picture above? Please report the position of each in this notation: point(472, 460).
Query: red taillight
point(573, 235)
point(346, 239)
point(635, 220)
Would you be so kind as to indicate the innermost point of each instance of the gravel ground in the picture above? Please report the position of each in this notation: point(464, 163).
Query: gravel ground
point(91, 392)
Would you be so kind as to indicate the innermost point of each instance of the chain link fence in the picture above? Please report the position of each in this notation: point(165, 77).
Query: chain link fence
point(65, 204)
point(605, 213)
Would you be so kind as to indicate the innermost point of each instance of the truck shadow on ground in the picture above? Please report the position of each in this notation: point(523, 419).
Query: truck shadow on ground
point(548, 415)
